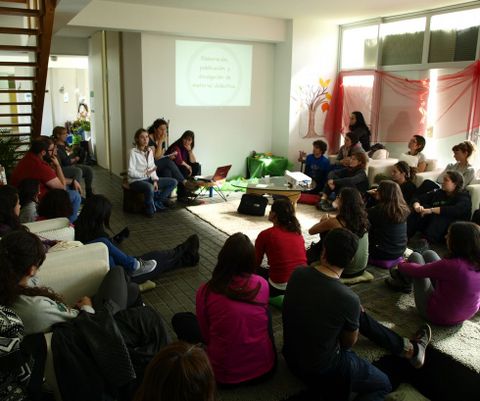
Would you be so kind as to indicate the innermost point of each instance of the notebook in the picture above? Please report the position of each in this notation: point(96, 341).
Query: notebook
point(220, 174)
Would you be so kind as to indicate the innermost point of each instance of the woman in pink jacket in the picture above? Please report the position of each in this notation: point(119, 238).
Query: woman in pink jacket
point(233, 320)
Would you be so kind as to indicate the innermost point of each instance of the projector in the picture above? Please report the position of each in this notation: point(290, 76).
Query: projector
point(297, 178)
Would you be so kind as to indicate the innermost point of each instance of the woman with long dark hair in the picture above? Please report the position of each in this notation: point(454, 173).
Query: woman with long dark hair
point(352, 216)
point(446, 291)
point(360, 128)
point(435, 210)
point(185, 158)
point(404, 175)
point(9, 209)
point(283, 244)
point(166, 167)
point(56, 203)
point(233, 320)
point(388, 223)
point(92, 225)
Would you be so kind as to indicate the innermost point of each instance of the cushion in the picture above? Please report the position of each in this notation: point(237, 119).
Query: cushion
point(309, 199)
point(385, 264)
point(380, 154)
point(364, 278)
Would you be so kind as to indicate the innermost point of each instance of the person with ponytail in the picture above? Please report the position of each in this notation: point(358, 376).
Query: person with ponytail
point(283, 244)
point(404, 175)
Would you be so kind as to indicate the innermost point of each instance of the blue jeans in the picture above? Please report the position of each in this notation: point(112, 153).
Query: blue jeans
point(165, 187)
point(75, 200)
point(115, 256)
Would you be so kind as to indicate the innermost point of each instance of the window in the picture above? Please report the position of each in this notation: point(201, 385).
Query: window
point(402, 41)
point(359, 47)
point(454, 36)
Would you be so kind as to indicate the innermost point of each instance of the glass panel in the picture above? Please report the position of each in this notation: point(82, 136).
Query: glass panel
point(402, 41)
point(359, 47)
point(453, 36)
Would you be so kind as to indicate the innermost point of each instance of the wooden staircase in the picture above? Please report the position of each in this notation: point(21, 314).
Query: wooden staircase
point(25, 37)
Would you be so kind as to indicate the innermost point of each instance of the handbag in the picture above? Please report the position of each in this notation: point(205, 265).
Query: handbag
point(253, 205)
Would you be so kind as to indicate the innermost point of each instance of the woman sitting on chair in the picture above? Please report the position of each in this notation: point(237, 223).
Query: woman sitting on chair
point(185, 159)
point(142, 176)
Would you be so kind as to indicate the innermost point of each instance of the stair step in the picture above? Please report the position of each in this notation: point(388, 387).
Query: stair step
point(15, 115)
point(16, 48)
point(17, 134)
point(27, 12)
point(18, 63)
point(16, 91)
point(15, 125)
point(15, 1)
point(16, 103)
point(19, 31)
point(16, 78)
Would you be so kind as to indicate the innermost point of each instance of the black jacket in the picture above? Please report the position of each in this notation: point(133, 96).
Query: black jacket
point(456, 207)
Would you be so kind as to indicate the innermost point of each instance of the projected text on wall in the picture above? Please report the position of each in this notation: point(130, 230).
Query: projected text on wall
point(213, 74)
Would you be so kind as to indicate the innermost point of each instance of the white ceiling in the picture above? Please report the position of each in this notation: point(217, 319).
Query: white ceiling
point(340, 11)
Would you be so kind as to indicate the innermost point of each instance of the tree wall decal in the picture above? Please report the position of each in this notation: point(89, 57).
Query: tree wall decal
point(312, 97)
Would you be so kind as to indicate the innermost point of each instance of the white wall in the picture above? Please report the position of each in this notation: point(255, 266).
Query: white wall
point(314, 56)
point(281, 105)
point(132, 86)
point(97, 109)
point(114, 89)
point(67, 86)
point(223, 135)
point(69, 46)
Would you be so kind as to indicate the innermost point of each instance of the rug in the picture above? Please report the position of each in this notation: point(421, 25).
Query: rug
point(224, 217)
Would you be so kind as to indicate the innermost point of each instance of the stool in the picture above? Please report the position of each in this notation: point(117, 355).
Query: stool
point(133, 202)
point(385, 264)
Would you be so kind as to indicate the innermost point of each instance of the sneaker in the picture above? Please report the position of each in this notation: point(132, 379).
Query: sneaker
point(328, 208)
point(421, 339)
point(420, 245)
point(321, 204)
point(398, 286)
point(125, 233)
point(143, 267)
point(399, 282)
point(159, 206)
point(168, 203)
point(190, 185)
point(189, 249)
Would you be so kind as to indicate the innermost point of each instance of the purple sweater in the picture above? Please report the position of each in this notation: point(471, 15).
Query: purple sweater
point(457, 289)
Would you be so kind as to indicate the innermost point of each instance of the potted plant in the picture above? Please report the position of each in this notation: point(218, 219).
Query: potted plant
point(9, 146)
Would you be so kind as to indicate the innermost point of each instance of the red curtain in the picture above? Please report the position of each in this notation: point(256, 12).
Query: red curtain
point(397, 107)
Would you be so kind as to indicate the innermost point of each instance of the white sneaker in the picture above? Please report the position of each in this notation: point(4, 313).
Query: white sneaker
point(144, 267)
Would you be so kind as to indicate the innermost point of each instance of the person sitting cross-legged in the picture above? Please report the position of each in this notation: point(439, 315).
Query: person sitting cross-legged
point(321, 321)
point(447, 291)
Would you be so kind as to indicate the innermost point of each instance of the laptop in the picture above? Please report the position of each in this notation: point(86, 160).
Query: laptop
point(220, 174)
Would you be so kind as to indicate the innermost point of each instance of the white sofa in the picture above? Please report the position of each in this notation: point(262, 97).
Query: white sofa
point(53, 229)
point(73, 273)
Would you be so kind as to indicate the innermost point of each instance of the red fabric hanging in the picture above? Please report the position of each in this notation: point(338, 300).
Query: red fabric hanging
point(397, 107)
